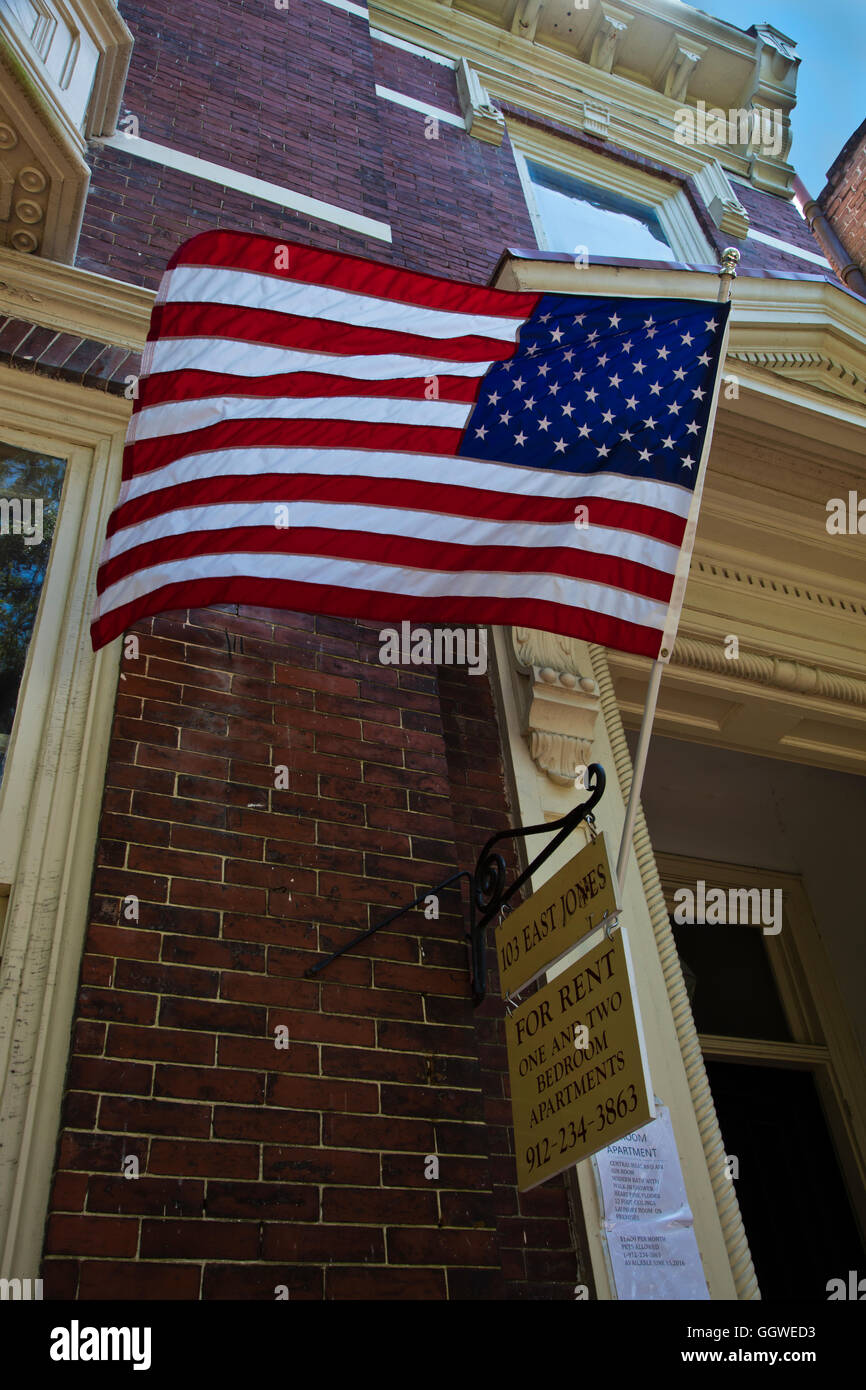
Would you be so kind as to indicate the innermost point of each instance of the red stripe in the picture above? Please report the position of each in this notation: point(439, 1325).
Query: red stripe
point(270, 328)
point(400, 551)
point(148, 454)
point(391, 609)
point(239, 251)
point(444, 499)
point(194, 385)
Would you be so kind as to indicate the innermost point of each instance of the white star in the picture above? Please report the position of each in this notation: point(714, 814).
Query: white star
point(650, 423)
point(531, 351)
point(692, 428)
point(644, 455)
point(567, 356)
point(559, 447)
point(688, 461)
point(648, 323)
point(506, 417)
point(607, 417)
point(602, 361)
point(481, 433)
point(639, 367)
point(591, 394)
point(698, 394)
point(679, 374)
point(554, 388)
point(556, 334)
point(626, 434)
point(544, 424)
point(631, 402)
point(520, 438)
point(651, 332)
point(668, 443)
point(674, 409)
point(568, 410)
point(494, 399)
point(592, 338)
point(579, 318)
point(710, 323)
point(579, 374)
point(543, 369)
point(687, 339)
point(529, 402)
point(544, 318)
point(518, 385)
point(603, 451)
point(584, 431)
point(615, 380)
point(614, 322)
point(704, 360)
point(627, 347)
point(655, 390)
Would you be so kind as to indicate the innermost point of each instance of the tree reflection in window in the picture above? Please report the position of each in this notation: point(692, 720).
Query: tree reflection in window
point(30, 487)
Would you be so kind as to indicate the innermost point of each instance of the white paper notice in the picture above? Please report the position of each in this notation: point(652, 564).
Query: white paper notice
point(647, 1219)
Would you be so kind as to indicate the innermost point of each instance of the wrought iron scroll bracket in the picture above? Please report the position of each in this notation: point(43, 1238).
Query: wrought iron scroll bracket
point(488, 892)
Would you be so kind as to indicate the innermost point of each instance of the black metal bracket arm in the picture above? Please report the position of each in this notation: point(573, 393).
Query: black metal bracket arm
point(488, 893)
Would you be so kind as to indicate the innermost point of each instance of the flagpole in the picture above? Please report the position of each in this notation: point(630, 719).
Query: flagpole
point(727, 275)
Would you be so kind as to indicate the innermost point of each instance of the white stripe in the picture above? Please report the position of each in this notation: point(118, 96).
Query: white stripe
point(397, 521)
point(177, 417)
point(381, 37)
point(260, 189)
point(252, 359)
point(443, 469)
point(388, 94)
point(194, 284)
point(780, 245)
point(389, 579)
point(349, 8)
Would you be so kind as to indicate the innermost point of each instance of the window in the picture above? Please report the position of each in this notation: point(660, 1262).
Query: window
point(783, 1070)
point(30, 486)
point(576, 213)
point(580, 199)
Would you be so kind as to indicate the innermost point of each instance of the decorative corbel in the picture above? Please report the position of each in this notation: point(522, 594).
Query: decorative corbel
point(721, 200)
point(674, 73)
point(607, 35)
point(558, 705)
point(483, 119)
point(526, 17)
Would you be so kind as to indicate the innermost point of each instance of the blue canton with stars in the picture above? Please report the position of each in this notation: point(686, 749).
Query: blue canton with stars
point(603, 385)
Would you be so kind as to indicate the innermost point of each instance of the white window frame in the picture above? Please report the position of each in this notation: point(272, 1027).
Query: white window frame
point(671, 205)
point(52, 792)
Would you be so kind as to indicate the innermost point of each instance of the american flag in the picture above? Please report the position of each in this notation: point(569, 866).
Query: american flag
point(320, 432)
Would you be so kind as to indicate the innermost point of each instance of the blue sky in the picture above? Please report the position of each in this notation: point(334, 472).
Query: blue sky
point(831, 94)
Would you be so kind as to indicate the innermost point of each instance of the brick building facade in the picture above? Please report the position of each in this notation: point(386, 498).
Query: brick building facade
point(212, 891)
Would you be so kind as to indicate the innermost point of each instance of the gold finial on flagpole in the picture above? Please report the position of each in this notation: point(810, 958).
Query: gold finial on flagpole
point(728, 272)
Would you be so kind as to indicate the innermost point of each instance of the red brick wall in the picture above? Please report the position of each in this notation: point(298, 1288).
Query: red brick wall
point(844, 198)
point(305, 1166)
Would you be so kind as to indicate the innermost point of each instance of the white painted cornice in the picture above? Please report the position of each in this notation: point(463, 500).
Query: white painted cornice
point(63, 297)
point(555, 77)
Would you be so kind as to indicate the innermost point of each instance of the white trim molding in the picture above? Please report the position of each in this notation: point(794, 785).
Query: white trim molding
point(54, 811)
point(244, 183)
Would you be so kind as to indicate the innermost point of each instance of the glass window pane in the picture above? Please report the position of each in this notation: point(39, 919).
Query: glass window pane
point(576, 213)
point(733, 991)
point(30, 486)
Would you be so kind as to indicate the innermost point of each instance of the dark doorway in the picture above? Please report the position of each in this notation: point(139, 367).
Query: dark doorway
point(798, 1219)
